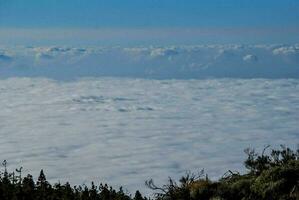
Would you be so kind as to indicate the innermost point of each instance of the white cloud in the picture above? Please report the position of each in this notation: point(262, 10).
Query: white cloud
point(43, 56)
point(288, 50)
point(201, 61)
point(125, 131)
point(161, 52)
point(250, 58)
point(4, 57)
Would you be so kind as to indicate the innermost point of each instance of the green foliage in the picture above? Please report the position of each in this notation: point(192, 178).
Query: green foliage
point(273, 176)
point(270, 177)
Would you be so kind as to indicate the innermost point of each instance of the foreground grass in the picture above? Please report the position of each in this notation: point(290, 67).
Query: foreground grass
point(270, 176)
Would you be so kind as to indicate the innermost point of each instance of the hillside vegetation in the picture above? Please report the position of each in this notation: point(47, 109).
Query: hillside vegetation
point(271, 176)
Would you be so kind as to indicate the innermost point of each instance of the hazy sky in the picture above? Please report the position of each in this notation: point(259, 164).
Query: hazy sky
point(150, 21)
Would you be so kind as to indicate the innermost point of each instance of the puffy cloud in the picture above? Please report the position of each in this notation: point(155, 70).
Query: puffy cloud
point(250, 58)
point(193, 61)
point(58, 49)
point(161, 52)
point(288, 50)
point(4, 57)
point(41, 55)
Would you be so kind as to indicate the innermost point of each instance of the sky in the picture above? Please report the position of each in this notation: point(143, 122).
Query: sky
point(148, 21)
point(188, 78)
point(150, 38)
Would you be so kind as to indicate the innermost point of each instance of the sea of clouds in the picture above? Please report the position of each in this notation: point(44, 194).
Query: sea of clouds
point(124, 131)
point(183, 62)
point(163, 111)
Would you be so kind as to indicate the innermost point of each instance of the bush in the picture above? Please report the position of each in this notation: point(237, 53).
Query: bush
point(273, 176)
point(270, 177)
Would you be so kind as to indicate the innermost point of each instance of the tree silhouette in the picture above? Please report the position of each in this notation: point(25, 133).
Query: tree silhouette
point(271, 176)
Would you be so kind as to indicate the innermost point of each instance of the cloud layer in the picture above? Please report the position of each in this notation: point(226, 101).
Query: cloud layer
point(125, 131)
point(202, 61)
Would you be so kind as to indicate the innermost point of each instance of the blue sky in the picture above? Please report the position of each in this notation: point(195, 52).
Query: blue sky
point(267, 21)
point(149, 13)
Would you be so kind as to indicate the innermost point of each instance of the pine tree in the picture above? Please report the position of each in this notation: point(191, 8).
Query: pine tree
point(138, 196)
point(43, 187)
